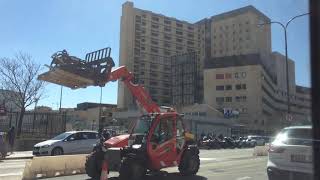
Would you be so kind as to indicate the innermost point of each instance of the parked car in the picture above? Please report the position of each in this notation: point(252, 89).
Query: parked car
point(3, 146)
point(228, 142)
point(240, 142)
point(73, 142)
point(211, 143)
point(253, 141)
point(290, 154)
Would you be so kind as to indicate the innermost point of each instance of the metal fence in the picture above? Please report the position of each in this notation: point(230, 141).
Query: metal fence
point(35, 124)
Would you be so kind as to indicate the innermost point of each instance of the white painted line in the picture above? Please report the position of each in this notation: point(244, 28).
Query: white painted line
point(208, 159)
point(11, 174)
point(243, 178)
point(15, 166)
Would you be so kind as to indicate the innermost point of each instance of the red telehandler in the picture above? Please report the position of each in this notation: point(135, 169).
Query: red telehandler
point(157, 140)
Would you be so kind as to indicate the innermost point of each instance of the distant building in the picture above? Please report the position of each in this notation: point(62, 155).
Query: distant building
point(86, 115)
point(43, 109)
point(88, 105)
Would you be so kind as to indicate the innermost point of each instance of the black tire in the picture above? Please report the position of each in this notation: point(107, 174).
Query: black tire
point(57, 151)
point(131, 169)
point(93, 164)
point(190, 164)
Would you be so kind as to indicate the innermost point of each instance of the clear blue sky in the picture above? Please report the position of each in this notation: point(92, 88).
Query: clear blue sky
point(42, 27)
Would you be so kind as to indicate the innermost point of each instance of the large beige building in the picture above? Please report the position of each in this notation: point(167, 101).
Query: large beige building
point(148, 41)
point(245, 85)
point(235, 66)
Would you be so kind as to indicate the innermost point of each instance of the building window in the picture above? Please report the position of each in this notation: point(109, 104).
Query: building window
point(166, 52)
point(154, 42)
point(154, 50)
point(236, 75)
point(219, 76)
point(154, 34)
point(219, 88)
point(179, 40)
point(179, 32)
point(153, 83)
point(190, 43)
point(241, 86)
point(190, 35)
point(166, 21)
point(179, 24)
point(241, 98)
point(166, 44)
point(155, 18)
point(243, 74)
point(228, 87)
point(155, 26)
point(228, 76)
point(179, 48)
point(167, 28)
point(167, 37)
point(228, 99)
point(219, 99)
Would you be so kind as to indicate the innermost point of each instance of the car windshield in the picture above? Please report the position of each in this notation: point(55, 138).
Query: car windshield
point(295, 136)
point(61, 136)
point(142, 125)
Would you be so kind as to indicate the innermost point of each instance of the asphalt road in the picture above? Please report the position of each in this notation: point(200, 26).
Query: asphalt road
point(229, 164)
point(12, 169)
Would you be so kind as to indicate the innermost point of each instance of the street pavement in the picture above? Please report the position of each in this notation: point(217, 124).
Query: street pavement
point(227, 164)
point(12, 169)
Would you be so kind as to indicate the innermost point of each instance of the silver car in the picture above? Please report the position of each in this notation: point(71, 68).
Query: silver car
point(72, 142)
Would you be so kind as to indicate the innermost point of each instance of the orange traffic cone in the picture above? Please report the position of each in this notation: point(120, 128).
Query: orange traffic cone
point(104, 171)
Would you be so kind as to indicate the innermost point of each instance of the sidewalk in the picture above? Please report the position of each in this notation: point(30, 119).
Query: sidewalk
point(20, 155)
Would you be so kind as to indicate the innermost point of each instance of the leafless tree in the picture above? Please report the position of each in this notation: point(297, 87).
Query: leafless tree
point(19, 76)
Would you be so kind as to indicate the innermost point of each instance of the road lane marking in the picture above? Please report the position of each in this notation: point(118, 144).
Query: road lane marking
point(208, 159)
point(243, 178)
point(11, 174)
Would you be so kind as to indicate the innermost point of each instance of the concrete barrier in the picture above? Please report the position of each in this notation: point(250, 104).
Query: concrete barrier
point(51, 166)
point(261, 150)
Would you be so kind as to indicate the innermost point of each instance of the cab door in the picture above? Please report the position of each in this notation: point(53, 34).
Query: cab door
point(161, 145)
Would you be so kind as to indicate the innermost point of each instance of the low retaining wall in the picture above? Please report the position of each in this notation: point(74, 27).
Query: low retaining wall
point(51, 166)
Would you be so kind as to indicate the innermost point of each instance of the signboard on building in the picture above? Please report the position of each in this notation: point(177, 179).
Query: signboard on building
point(230, 113)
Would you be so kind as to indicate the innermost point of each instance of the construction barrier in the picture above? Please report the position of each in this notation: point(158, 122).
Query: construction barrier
point(51, 166)
point(261, 150)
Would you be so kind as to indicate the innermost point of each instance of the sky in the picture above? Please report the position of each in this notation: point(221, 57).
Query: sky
point(42, 27)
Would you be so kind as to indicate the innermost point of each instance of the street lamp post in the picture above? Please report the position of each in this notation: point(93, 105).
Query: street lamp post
point(286, 51)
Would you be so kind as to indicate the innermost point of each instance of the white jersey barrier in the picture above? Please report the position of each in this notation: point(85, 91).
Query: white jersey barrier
point(51, 166)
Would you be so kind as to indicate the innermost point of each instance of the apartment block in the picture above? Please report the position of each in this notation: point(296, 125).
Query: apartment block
point(147, 42)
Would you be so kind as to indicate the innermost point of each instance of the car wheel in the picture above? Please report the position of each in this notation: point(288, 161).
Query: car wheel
point(57, 151)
